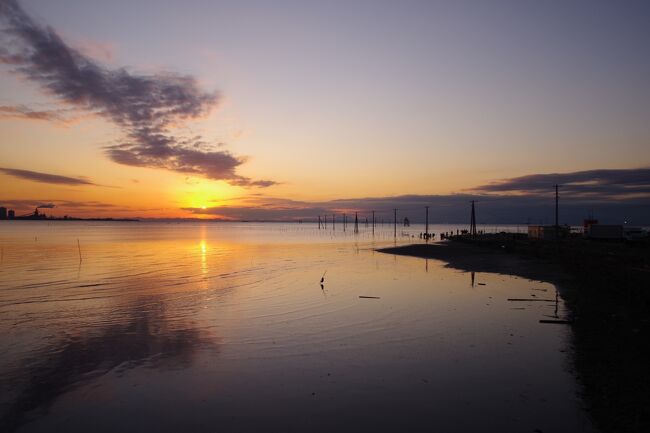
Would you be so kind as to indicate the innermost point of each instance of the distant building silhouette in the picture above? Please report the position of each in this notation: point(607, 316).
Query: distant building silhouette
point(3, 213)
point(12, 214)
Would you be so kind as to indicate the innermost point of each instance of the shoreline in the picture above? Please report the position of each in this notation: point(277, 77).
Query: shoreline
point(605, 289)
point(471, 258)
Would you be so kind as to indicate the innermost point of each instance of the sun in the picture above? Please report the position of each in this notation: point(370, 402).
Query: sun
point(204, 207)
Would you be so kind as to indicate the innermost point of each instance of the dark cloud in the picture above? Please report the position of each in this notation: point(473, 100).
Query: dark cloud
point(36, 176)
point(602, 183)
point(453, 208)
point(145, 107)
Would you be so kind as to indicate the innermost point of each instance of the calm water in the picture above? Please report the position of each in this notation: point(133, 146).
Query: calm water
point(224, 327)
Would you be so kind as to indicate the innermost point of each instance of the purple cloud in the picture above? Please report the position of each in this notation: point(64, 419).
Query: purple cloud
point(144, 106)
point(614, 183)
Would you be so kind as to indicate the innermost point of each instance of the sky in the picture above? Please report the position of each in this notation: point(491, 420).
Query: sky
point(290, 109)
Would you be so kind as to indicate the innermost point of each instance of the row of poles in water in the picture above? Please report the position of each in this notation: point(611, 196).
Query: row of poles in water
point(322, 222)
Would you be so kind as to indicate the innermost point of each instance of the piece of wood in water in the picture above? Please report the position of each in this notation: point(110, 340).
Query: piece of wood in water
point(369, 297)
point(559, 322)
point(531, 300)
point(481, 284)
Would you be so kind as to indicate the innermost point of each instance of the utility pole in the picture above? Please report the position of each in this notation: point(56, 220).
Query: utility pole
point(472, 224)
point(395, 223)
point(557, 197)
point(344, 222)
point(356, 222)
point(318, 222)
point(333, 222)
point(426, 229)
point(373, 222)
point(557, 222)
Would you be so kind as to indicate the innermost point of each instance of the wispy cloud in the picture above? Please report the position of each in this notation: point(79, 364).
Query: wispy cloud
point(36, 176)
point(145, 107)
point(23, 112)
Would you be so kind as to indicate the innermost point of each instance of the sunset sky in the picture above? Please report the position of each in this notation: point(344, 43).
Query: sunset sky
point(289, 109)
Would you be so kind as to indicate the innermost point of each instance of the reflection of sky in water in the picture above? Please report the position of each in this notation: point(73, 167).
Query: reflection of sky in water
point(195, 326)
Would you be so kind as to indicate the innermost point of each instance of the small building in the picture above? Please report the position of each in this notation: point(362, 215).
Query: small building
point(588, 223)
point(548, 232)
point(11, 214)
point(3, 213)
point(605, 231)
point(634, 233)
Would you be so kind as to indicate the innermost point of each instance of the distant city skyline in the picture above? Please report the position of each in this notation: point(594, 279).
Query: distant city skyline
point(286, 110)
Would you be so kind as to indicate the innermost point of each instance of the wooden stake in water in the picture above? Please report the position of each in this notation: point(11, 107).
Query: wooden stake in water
point(79, 248)
point(395, 223)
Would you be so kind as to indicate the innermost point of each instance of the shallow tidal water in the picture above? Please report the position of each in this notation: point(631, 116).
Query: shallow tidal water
point(225, 327)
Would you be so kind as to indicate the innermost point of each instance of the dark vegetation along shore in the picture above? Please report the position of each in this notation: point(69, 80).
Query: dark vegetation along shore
point(606, 286)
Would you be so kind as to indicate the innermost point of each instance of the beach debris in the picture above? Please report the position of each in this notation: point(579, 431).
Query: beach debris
point(481, 284)
point(559, 322)
point(530, 300)
point(322, 279)
point(369, 297)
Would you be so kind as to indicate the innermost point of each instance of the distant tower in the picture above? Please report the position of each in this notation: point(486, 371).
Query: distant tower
point(356, 222)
